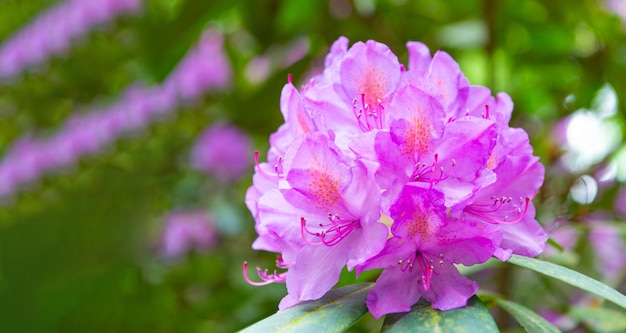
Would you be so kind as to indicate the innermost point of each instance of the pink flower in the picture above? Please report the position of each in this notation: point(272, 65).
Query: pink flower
point(337, 210)
point(419, 259)
point(412, 171)
point(506, 202)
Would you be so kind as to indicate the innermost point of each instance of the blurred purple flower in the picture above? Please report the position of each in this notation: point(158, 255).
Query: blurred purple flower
point(560, 320)
point(82, 134)
point(206, 67)
point(565, 235)
point(52, 32)
point(29, 160)
point(276, 57)
point(606, 241)
point(294, 52)
point(620, 201)
point(619, 8)
point(223, 151)
point(608, 244)
point(258, 69)
point(89, 132)
point(185, 231)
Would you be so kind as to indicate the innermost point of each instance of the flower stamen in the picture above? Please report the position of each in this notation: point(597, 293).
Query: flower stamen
point(425, 173)
point(486, 114)
point(278, 167)
point(426, 265)
point(368, 116)
point(484, 211)
point(407, 263)
point(334, 232)
point(265, 275)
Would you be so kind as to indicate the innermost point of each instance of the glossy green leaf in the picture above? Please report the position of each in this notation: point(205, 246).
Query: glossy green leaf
point(531, 321)
point(572, 277)
point(475, 317)
point(335, 312)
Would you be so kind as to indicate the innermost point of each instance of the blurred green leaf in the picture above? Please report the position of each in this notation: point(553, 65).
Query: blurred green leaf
point(600, 319)
point(572, 277)
point(555, 244)
point(296, 15)
point(335, 312)
point(475, 317)
point(164, 44)
point(531, 321)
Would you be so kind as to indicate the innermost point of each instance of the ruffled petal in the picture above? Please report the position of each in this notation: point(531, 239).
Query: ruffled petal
point(394, 291)
point(450, 289)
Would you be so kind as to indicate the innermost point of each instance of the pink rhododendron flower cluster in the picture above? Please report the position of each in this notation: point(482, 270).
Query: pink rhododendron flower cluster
point(410, 170)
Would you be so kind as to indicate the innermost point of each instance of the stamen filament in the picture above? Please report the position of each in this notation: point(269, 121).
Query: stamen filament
point(368, 116)
point(277, 167)
point(427, 271)
point(263, 275)
point(337, 230)
point(422, 171)
point(481, 210)
point(303, 229)
point(280, 263)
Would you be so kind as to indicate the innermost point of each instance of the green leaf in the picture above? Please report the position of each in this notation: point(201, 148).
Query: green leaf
point(422, 318)
point(531, 321)
point(555, 244)
point(335, 312)
point(572, 277)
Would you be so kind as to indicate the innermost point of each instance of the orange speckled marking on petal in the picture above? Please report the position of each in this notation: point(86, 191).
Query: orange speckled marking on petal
point(441, 88)
point(422, 225)
point(373, 84)
point(418, 134)
point(324, 186)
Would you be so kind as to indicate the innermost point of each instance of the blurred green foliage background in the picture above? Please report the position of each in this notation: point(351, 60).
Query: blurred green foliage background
point(78, 248)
